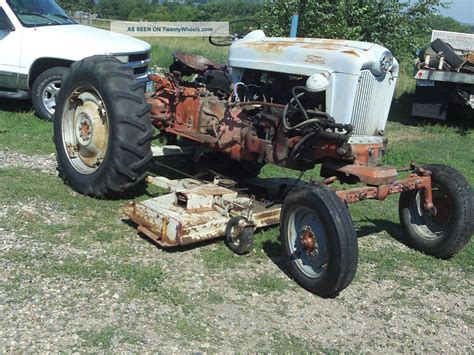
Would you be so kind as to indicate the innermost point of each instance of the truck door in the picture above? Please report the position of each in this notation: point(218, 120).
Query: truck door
point(10, 47)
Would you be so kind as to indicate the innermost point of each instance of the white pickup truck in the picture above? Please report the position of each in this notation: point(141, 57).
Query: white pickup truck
point(38, 43)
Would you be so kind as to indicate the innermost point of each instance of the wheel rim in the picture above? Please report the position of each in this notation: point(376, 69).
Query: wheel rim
point(85, 129)
point(235, 235)
point(431, 227)
point(307, 241)
point(49, 95)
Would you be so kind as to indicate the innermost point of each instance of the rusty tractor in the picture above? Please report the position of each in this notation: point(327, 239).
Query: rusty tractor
point(292, 102)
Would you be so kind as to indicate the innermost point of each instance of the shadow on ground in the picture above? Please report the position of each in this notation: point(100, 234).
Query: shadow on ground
point(274, 249)
point(457, 118)
point(16, 106)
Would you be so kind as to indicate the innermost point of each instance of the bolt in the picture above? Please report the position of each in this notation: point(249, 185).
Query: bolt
point(308, 240)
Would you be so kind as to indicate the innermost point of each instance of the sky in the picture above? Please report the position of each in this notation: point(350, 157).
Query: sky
point(461, 10)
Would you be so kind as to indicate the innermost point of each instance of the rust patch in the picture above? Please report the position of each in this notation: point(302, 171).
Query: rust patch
point(196, 62)
point(413, 182)
point(278, 47)
point(266, 47)
point(352, 53)
point(372, 175)
point(267, 218)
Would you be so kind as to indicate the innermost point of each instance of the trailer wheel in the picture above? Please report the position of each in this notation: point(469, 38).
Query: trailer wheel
point(239, 238)
point(102, 128)
point(319, 240)
point(449, 230)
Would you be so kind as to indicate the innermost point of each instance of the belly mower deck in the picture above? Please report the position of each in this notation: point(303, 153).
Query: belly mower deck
point(195, 211)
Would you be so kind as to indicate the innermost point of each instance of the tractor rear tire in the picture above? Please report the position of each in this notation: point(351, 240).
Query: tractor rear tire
point(102, 129)
point(451, 228)
point(319, 240)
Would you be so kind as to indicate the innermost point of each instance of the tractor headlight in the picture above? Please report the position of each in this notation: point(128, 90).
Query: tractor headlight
point(386, 62)
point(318, 82)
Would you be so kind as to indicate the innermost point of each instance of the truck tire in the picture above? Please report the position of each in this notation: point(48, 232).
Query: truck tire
point(451, 228)
point(319, 240)
point(44, 92)
point(102, 129)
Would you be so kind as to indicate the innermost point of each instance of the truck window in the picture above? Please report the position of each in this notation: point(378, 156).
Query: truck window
point(35, 13)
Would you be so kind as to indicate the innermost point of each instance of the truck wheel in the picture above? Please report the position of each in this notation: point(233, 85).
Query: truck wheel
point(450, 229)
point(239, 239)
point(319, 240)
point(102, 128)
point(44, 92)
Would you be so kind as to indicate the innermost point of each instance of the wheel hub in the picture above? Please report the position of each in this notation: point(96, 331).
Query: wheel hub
point(49, 95)
point(442, 209)
point(308, 241)
point(86, 130)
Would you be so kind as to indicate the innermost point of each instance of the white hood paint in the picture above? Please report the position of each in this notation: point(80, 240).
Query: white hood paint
point(304, 56)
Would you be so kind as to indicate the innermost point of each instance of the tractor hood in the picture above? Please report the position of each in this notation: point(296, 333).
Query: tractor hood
point(306, 56)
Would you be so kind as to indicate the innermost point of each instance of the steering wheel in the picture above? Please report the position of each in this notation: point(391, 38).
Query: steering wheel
point(237, 29)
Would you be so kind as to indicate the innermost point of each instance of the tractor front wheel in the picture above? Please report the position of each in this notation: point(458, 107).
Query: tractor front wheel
point(449, 229)
point(102, 128)
point(319, 240)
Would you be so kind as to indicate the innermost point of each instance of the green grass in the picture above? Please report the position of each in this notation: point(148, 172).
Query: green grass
point(145, 278)
point(163, 47)
point(263, 284)
point(22, 131)
point(103, 338)
point(220, 257)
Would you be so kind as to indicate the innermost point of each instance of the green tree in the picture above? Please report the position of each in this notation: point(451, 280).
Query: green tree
point(396, 24)
point(212, 11)
point(76, 5)
point(124, 9)
point(437, 22)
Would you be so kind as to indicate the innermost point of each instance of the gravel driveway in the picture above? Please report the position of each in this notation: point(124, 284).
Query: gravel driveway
point(47, 305)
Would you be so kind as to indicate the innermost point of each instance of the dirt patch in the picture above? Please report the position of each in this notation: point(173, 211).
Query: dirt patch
point(44, 211)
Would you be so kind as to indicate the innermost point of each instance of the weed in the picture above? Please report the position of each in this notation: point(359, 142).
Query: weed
point(101, 338)
point(262, 284)
point(220, 257)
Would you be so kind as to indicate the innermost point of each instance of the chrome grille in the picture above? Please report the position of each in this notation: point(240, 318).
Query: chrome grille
point(139, 62)
point(372, 103)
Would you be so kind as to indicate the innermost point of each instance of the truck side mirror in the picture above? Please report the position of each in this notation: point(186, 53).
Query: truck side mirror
point(5, 23)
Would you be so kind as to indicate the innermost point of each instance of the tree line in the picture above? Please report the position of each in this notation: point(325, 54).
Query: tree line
point(400, 25)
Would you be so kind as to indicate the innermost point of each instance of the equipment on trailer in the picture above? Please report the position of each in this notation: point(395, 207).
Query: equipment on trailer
point(291, 102)
point(445, 76)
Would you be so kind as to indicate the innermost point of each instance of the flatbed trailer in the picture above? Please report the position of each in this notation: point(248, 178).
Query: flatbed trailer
point(440, 85)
